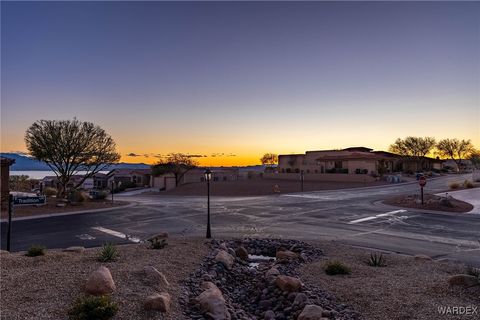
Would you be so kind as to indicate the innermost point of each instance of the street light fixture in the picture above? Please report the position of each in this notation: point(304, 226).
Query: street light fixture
point(208, 177)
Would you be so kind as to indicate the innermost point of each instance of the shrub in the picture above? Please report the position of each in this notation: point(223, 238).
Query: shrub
point(93, 308)
point(77, 196)
point(470, 270)
point(102, 195)
point(454, 185)
point(35, 251)
point(158, 243)
point(49, 192)
point(336, 267)
point(468, 184)
point(108, 253)
point(376, 260)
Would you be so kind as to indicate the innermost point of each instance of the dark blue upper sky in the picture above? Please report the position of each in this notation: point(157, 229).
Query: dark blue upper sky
point(243, 77)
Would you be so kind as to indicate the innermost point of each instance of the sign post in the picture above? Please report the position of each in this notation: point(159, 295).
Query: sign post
point(422, 181)
point(20, 201)
point(9, 227)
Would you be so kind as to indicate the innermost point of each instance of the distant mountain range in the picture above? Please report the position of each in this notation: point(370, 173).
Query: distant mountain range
point(25, 163)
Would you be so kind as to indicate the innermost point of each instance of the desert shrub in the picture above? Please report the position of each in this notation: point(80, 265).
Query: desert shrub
point(35, 251)
point(77, 196)
point(49, 192)
point(108, 253)
point(468, 184)
point(102, 195)
point(158, 243)
point(336, 267)
point(93, 308)
point(377, 260)
point(470, 270)
point(454, 185)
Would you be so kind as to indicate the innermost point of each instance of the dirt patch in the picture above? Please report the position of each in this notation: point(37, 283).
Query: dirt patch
point(51, 207)
point(431, 202)
point(405, 289)
point(259, 187)
point(44, 287)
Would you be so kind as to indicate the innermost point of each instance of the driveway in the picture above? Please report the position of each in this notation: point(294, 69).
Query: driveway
point(348, 216)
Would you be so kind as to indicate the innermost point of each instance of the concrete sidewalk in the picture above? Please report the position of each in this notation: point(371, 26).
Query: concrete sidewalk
point(134, 192)
point(471, 196)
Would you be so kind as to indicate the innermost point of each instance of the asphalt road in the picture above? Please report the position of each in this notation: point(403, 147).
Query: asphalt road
point(352, 217)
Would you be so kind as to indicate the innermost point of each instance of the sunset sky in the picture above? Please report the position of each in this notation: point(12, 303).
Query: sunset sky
point(235, 80)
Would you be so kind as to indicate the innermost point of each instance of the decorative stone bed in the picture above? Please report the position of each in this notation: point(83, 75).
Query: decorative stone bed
point(229, 284)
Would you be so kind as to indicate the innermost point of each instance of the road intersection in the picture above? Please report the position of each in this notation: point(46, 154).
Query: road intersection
point(355, 217)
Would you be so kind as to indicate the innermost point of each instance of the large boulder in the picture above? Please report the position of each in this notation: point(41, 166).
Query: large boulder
point(286, 255)
point(212, 303)
point(155, 277)
point(225, 258)
point(100, 282)
point(288, 284)
point(311, 312)
point(463, 280)
point(242, 253)
point(158, 301)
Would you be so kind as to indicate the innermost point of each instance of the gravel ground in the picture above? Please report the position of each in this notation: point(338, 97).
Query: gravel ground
point(51, 208)
point(44, 287)
point(431, 202)
point(405, 289)
point(257, 187)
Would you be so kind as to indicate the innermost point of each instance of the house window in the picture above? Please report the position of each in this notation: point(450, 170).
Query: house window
point(338, 164)
point(316, 171)
point(322, 169)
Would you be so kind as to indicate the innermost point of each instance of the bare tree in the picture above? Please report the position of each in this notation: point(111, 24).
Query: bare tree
point(269, 159)
point(70, 146)
point(415, 148)
point(455, 149)
point(176, 163)
point(474, 157)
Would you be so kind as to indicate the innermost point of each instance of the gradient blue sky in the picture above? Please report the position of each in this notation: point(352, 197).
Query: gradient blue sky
point(243, 78)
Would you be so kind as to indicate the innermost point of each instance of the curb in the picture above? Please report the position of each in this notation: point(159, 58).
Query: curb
point(379, 203)
point(53, 215)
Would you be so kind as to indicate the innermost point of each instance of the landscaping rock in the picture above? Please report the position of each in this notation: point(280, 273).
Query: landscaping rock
point(157, 237)
point(158, 301)
point(74, 249)
point(422, 257)
point(300, 299)
point(155, 277)
point(242, 253)
point(286, 255)
point(100, 282)
point(212, 303)
point(269, 315)
point(225, 258)
point(311, 312)
point(463, 280)
point(288, 284)
point(272, 272)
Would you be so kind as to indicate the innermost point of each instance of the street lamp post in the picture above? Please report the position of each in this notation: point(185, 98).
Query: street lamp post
point(302, 178)
point(208, 176)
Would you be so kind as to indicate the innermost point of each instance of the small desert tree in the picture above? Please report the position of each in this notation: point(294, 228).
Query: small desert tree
point(70, 146)
point(176, 163)
point(269, 159)
point(415, 148)
point(474, 157)
point(455, 149)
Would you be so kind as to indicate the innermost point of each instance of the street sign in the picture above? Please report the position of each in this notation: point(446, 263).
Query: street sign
point(422, 181)
point(29, 200)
